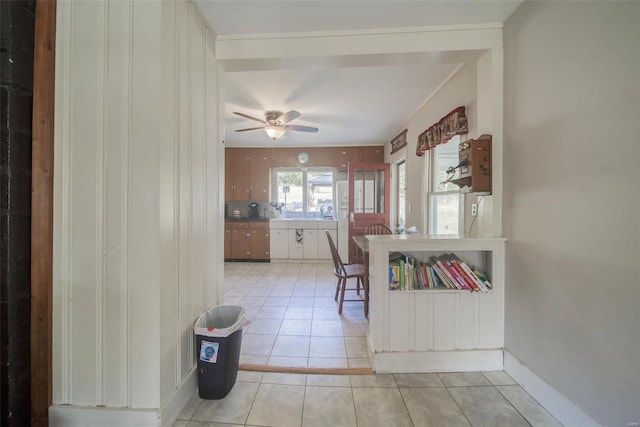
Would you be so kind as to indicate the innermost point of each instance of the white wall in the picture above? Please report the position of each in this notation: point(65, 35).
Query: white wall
point(470, 86)
point(137, 229)
point(572, 102)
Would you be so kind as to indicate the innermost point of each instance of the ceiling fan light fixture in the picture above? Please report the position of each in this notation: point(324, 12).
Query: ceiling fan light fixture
point(274, 132)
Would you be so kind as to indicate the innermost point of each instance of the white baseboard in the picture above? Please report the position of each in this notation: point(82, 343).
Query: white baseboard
point(553, 401)
point(437, 361)
point(71, 415)
point(172, 407)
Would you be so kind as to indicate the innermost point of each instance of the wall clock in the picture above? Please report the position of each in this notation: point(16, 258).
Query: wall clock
point(303, 158)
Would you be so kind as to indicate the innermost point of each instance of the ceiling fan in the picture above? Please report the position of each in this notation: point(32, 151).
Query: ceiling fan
point(275, 123)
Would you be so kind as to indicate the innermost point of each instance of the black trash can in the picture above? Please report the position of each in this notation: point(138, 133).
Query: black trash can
point(218, 333)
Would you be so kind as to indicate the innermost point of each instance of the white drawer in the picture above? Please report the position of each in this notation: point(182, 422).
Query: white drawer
point(278, 225)
point(305, 225)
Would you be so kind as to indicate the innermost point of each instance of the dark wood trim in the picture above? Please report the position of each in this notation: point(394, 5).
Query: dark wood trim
point(42, 211)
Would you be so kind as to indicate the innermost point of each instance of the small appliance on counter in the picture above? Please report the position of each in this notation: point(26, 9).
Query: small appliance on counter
point(254, 210)
point(235, 213)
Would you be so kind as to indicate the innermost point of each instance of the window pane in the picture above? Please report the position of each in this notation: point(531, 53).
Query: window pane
point(320, 192)
point(368, 189)
point(445, 211)
point(289, 191)
point(446, 156)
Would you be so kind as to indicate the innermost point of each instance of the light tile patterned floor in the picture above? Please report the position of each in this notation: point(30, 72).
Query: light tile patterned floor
point(295, 320)
point(295, 323)
point(444, 399)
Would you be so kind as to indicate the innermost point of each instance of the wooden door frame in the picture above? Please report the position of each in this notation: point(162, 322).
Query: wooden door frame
point(42, 211)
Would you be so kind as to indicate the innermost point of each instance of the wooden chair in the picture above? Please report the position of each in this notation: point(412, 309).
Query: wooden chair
point(348, 271)
point(377, 230)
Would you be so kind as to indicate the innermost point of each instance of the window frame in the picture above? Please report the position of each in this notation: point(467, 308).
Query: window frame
point(396, 188)
point(305, 171)
point(432, 192)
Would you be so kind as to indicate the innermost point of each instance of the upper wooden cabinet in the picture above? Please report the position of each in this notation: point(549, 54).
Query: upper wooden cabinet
point(346, 155)
point(247, 174)
point(237, 175)
point(261, 163)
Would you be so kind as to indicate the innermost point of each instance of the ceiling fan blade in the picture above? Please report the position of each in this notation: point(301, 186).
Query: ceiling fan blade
point(288, 116)
point(244, 130)
point(302, 128)
point(246, 116)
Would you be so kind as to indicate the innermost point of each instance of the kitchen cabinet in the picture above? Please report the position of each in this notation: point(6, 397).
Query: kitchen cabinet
point(279, 243)
point(348, 155)
point(247, 174)
point(259, 174)
point(244, 240)
point(237, 177)
point(301, 239)
point(310, 244)
point(260, 241)
point(296, 247)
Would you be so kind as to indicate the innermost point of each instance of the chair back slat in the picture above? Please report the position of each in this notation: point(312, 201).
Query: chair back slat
point(377, 230)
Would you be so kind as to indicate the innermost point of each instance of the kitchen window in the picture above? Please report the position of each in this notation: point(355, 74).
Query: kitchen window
point(444, 198)
point(302, 191)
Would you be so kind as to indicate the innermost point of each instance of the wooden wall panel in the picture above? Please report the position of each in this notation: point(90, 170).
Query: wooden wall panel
point(42, 211)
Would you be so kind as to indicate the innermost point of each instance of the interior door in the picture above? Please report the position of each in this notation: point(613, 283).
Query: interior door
point(368, 199)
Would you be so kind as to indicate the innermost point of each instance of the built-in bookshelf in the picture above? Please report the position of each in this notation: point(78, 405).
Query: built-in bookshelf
point(443, 328)
point(438, 272)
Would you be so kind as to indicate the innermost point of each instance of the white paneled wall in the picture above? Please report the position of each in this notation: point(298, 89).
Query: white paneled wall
point(137, 252)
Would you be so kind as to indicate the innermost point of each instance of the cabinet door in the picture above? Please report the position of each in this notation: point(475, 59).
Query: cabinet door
point(346, 155)
point(259, 169)
point(310, 244)
point(279, 244)
point(242, 173)
point(372, 155)
point(324, 252)
point(239, 247)
point(237, 174)
point(229, 179)
point(296, 248)
point(260, 244)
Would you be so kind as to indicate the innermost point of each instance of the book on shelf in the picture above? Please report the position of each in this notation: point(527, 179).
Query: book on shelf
point(394, 275)
point(457, 269)
point(446, 271)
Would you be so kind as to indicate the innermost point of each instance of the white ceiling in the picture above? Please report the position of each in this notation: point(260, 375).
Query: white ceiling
point(362, 100)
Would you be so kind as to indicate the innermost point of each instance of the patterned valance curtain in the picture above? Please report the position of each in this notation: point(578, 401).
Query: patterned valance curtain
point(454, 123)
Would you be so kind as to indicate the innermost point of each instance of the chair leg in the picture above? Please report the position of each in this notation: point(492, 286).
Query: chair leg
point(344, 287)
point(357, 285)
point(335, 297)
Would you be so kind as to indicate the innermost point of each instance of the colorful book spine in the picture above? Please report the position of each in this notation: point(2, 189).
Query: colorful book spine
point(450, 274)
point(394, 276)
point(442, 274)
point(469, 272)
point(461, 273)
point(434, 277)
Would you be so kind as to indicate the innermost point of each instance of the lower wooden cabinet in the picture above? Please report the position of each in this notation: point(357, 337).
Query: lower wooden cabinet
point(246, 240)
point(260, 240)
